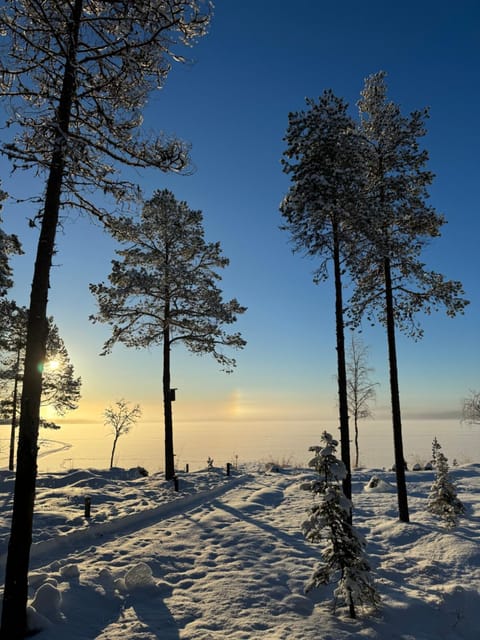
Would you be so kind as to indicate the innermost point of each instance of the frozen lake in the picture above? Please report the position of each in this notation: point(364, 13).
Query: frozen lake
point(89, 445)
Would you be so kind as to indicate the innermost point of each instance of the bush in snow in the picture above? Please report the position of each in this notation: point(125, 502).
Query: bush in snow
point(442, 499)
point(343, 556)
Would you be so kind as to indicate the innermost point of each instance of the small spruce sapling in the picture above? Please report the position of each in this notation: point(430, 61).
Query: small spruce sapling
point(442, 499)
point(343, 556)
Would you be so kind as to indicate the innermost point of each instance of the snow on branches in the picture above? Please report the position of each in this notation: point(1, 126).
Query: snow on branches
point(343, 555)
point(442, 499)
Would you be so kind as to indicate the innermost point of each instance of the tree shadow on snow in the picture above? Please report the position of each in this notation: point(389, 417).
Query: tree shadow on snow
point(152, 611)
point(294, 540)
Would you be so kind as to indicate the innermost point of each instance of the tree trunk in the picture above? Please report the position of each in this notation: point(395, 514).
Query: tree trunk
point(357, 451)
point(167, 407)
point(13, 625)
point(341, 368)
point(11, 458)
point(114, 446)
point(395, 395)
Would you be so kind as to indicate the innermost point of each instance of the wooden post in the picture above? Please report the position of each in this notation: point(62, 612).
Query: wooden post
point(175, 482)
point(229, 465)
point(88, 504)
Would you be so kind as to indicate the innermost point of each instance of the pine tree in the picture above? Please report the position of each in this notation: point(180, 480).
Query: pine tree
point(75, 76)
point(60, 387)
point(343, 554)
point(391, 283)
point(164, 291)
point(9, 245)
point(323, 159)
point(442, 499)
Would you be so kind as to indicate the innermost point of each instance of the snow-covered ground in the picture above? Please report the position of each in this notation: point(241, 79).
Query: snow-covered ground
point(224, 558)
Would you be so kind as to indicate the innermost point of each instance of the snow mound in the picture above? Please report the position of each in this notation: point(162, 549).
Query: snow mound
point(106, 580)
point(378, 485)
point(139, 577)
point(36, 622)
point(47, 601)
point(70, 572)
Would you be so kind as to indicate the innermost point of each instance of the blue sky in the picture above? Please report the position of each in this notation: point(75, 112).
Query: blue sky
point(260, 61)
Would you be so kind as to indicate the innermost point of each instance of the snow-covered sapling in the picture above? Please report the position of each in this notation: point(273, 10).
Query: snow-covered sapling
point(343, 556)
point(442, 499)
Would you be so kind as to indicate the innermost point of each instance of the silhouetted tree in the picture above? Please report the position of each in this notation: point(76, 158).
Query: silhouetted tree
point(164, 291)
point(9, 245)
point(121, 417)
point(60, 387)
point(323, 159)
point(75, 76)
point(391, 283)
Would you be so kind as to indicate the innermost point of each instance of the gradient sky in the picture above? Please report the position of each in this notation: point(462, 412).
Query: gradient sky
point(260, 61)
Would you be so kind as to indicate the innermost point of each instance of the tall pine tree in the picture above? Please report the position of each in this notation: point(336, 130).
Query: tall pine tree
point(391, 283)
point(75, 78)
point(164, 291)
point(323, 160)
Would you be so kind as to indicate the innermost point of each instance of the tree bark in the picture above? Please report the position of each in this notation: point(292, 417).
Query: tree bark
point(395, 395)
point(341, 368)
point(11, 457)
point(357, 450)
point(13, 624)
point(114, 446)
point(167, 407)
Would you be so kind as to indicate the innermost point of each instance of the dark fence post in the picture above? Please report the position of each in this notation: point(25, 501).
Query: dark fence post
point(229, 465)
point(175, 483)
point(187, 468)
point(88, 504)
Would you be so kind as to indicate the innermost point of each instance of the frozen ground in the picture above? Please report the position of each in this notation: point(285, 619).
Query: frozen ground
point(224, 558)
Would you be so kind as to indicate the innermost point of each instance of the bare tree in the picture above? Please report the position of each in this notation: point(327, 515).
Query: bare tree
point(361, 390)
point(471, 408)
point(75, 75)
point(121, 418)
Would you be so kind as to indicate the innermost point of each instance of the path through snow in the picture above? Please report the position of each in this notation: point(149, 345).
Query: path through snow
point(226, 560)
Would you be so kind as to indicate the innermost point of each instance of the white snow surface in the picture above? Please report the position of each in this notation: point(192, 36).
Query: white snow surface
point(224, 558)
